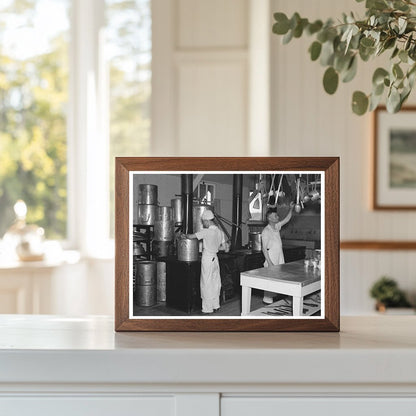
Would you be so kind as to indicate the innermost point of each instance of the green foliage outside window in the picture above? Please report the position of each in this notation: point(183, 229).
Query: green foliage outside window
point(33, 99)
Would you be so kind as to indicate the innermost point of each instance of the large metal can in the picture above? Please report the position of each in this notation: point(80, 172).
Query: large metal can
point(145, 272)
point(146, 214)
point(255, 241)
point(188, 249)
point(162, 248)
point(145, 295)
point(161, 281)
point(177, 210)
point(164, 213)
point(197, 211)
point(164, 230)
point(146, 283)
point(147, 194)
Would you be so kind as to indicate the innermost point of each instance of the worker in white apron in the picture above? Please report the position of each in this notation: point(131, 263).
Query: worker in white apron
point(272, 243)
point(213, 239)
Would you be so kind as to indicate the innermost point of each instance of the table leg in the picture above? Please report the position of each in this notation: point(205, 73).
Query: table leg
point(297, 305)
point(245, 300)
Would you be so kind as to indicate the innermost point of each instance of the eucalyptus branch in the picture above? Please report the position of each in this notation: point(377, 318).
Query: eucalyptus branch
point(388, 26)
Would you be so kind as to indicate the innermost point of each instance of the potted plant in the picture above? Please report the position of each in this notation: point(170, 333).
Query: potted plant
point(387, 294)
point(389, 27)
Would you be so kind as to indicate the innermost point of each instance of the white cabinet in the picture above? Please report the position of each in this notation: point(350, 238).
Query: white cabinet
point(79, 366)
point(88, 406)
point(323, 406)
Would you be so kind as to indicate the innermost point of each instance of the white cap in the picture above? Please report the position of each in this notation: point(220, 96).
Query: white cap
point(207, 215)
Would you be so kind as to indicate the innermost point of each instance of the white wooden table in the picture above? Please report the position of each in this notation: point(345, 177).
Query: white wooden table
point(293, 279)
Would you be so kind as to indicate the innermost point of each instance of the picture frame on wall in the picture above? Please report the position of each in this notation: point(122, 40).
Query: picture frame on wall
point(262, 254)
point(394, 152)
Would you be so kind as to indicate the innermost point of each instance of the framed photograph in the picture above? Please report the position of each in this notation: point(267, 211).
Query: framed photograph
point(227, 244)
point(394, 180)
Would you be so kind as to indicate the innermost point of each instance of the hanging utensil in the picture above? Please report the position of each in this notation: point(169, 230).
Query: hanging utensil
point(298, 207)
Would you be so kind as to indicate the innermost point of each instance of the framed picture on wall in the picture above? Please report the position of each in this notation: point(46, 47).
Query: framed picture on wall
point(261, 253)
point(394, 179)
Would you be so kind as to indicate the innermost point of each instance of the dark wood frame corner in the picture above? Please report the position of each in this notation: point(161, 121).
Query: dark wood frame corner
point(330, 165)
point(375, 205)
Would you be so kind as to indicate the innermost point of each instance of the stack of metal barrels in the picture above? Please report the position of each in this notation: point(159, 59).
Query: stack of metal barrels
point(146, 205)
point(163, 232)
point(162, 246)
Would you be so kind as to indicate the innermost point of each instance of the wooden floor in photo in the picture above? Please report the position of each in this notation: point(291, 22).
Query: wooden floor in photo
point(283, 307)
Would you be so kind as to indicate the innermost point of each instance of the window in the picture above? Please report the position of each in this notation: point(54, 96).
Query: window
point(33, 97)
point(206, 193)
point(75, 87)
point(129, 45)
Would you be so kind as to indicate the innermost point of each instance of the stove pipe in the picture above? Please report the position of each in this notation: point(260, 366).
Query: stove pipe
point(236, 235)
point(187, 203)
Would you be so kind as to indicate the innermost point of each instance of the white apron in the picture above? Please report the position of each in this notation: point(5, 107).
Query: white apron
point(274, 247)
point(210, 282)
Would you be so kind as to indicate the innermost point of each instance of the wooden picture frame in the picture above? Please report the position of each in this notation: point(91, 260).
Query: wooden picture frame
point(327, 168)
point(394, 158)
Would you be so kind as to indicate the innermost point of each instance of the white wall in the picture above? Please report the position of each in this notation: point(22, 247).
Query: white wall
point(308, 122)
point(205, 83)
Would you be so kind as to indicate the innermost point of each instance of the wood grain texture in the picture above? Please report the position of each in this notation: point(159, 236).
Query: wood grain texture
point(376, 205)
point(378, 245)
point(330, 165)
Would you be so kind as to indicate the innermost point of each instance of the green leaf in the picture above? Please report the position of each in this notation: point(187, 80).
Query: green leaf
point(341, 61)
point(378, 89)
point(315, 50)
point(359, 103)
point(330, 80)
point(374, 102)
point(397, 71)
point(395, 52)
point(379, 75)
point(327, 53)
point(403, 56)
point(408, 42)
point(402, 24)
point(281, 27)
point(314, 27)
point(393, 101)
point(351, 71)
point(288, 37)
point(376, 4)
point(367, 42)
point(300, 26)
point(389, 43)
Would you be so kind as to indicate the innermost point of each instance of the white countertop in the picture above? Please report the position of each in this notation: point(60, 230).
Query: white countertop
point(52, 349)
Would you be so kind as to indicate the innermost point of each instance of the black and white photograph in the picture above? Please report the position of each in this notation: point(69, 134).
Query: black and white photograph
point(226, 244)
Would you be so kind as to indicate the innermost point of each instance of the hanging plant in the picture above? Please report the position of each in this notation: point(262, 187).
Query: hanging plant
point(389, 27)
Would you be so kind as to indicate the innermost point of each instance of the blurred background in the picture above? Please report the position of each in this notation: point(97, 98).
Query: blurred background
point(84, 81)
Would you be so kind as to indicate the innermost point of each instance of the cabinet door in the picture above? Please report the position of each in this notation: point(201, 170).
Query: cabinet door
point(88, 406)
point(249, 406)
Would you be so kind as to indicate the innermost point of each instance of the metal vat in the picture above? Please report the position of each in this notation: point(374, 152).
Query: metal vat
point(164, 213)
point(146, 214)
point(145, 272)
point(161, 281)
point(188, 249)
point(146, 283)
point(145, 295)
point(164, 230)
point(147, 194)
point(162, 248)
point(255, 241)
point(197, 212)
point(177, 210)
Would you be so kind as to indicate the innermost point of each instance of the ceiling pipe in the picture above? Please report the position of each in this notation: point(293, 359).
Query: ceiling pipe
point(236, 234)
point(187, 203)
